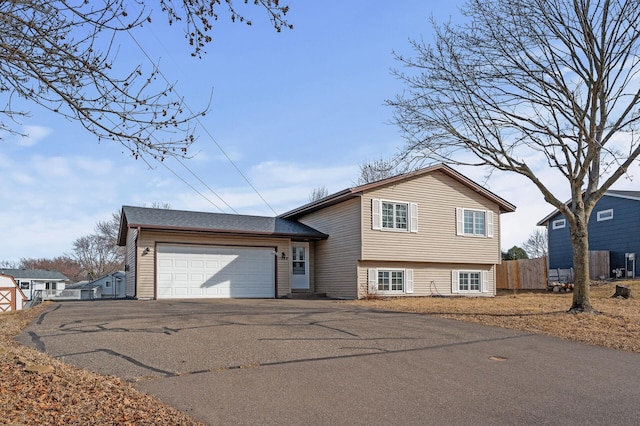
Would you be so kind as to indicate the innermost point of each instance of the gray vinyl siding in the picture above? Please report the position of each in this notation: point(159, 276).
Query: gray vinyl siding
point(437, 196)
point(130, 274)
point(429, 279)
point(336, 258)
point(146, 283)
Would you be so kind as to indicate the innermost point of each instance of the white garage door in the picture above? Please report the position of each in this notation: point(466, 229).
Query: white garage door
point(186, 271)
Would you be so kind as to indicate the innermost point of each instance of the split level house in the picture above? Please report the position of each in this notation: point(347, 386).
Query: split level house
point(614, 226)
point(429, 232)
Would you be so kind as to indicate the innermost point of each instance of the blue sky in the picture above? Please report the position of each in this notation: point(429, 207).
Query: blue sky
point(294, 110)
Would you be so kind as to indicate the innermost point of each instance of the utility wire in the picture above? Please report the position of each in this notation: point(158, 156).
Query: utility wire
point(203, 127)
point(178, 176)
point(207, 186)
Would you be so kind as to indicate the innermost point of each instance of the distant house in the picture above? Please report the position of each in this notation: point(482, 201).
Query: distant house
point(429, 232)
point(614, 226)
point(110, 286)
point(11, 297)
point(31, 280)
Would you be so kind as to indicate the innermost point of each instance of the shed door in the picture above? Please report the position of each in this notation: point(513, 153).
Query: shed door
point(186, 271)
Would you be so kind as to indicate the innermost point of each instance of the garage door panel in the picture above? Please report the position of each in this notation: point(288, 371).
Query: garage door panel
point(215, 271)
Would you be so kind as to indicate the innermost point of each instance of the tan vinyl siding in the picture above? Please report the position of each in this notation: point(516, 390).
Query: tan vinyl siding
point(429, 279)
point(336, 258)
point(146, 264)
point(130, 274)
point(437, 196)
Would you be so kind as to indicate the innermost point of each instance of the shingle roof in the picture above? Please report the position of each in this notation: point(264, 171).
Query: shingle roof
point(624, 194)
point(632, 195)
point(34, 274)
point(349, 193)
point(181, 220)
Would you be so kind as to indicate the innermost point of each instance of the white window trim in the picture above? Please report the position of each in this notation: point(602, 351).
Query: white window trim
point(407, 284)
point(455, 277)
point(376, 216)
point(559, 224)
point(608, 215)
point(488, 223)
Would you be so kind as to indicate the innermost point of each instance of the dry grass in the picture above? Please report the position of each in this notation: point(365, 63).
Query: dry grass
point(63, 394)
point(616, 326)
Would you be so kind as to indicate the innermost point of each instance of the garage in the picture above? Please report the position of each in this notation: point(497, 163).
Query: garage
point(192, 271)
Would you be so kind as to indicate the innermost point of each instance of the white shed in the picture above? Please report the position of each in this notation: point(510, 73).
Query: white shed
point(11, 297)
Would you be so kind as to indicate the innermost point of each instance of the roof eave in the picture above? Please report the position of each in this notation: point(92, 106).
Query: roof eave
point(232, 232)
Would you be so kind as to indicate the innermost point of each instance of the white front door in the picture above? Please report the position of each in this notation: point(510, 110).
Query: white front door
point(300, 266)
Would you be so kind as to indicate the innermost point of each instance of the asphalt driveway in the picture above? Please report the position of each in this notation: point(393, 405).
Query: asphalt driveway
point(327, 362)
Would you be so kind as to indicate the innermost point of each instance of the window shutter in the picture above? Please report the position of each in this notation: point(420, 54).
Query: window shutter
point(459, 221)
point(454, 281)
point(484, 284)
point(489, 224)
point(373, 281)
point(413, 224)
point(375, 213)
point(408, 281)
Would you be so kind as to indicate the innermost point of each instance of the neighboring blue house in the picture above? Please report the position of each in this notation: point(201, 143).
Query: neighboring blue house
point(614, 226)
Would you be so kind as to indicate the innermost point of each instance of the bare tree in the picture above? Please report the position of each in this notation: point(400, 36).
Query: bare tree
point(536, 245)
point(9, 264)
point(526, 84)
point(318, 193)
point(61, 54)
point(63, 264)
point(97, 255)
point(377, 170)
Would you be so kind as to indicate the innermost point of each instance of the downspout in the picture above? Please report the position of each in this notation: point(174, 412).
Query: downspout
point(135, 275)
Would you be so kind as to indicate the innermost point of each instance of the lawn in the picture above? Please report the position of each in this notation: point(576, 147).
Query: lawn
point(617, 325)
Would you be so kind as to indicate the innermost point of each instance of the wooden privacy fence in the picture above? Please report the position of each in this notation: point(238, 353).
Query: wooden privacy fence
point(522, 274)
point(599, 261)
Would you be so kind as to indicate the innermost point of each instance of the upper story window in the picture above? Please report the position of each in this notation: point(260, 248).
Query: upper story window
point(605, 215)
point(558, 224)
point(474, 222)
point(394, 215)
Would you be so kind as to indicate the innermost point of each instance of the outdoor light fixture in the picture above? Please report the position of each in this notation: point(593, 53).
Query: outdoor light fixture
point(146, 250)
point(284, 256)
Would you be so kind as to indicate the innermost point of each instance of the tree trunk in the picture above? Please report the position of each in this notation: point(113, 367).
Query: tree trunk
point(580, 243)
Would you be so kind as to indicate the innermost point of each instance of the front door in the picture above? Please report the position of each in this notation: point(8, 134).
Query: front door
point(300, 266)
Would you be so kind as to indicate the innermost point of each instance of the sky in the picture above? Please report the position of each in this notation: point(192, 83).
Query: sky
point(288, 112)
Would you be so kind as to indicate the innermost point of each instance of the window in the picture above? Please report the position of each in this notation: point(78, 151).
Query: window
point(390, 281)
point(605, 215)
point(558, 224)
point(299, 267)
point(24, 285)
point(107, 284)
point(469, 281)
point(393, 215)
point(478, 223)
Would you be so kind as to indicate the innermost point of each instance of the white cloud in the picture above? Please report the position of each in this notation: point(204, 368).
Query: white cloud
point(33, 135)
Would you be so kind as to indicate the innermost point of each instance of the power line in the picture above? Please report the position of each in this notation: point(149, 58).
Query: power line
point(204, 128)
point(207, 186)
